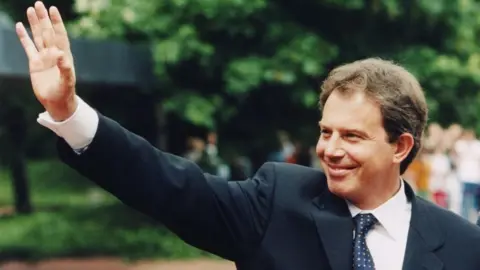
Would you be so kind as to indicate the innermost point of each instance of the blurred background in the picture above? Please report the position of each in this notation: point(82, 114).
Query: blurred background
point(228, 84)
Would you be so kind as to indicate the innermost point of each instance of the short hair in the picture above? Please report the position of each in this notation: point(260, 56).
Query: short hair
point(398, 93)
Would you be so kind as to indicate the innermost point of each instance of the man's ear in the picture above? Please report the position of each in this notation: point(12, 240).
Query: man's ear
point(402, 147)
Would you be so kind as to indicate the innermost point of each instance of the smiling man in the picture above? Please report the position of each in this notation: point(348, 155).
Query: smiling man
point(374, 114)
point(359, 214)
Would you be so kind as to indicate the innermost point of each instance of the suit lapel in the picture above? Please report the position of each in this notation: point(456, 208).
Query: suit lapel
point(335, 229)
point(424, 237)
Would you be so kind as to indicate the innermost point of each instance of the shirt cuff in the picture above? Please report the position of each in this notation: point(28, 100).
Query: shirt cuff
point(78, 130)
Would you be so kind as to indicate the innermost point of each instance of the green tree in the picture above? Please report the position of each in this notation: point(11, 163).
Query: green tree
point(212, 56)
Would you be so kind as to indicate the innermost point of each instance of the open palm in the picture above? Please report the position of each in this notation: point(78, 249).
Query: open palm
point(49, 57)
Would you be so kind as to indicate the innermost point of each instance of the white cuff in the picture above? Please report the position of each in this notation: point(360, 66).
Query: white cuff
point(78, 130)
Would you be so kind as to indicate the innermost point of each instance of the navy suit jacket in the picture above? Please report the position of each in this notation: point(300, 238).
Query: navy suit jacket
point(283, 218)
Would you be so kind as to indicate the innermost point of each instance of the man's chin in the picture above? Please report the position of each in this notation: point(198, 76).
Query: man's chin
point(341, 187)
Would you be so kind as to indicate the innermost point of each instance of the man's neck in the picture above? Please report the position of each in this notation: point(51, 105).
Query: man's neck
point(374, 202)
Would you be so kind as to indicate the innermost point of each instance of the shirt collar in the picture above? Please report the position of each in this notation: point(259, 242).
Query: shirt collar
point(390, 214)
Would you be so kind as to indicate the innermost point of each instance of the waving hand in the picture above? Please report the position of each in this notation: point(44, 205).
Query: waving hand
point(50, 60)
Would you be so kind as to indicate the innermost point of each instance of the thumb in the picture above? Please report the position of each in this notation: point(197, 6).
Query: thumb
point(65, 66)
point(63, 62)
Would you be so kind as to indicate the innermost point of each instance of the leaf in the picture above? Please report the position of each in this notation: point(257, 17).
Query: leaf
point(197, 109)
point(167, 51)
point(243, 75)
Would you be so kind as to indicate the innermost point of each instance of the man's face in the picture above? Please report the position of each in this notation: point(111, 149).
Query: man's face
point(353, 147)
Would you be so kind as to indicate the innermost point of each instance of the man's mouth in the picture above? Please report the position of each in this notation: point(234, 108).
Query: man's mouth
point(336, 171)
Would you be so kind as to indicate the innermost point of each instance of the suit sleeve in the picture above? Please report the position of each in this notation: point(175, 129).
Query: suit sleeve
point(210, 213)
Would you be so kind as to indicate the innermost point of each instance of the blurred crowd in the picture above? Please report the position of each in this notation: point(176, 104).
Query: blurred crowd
point(446, 170)
point(205, 153)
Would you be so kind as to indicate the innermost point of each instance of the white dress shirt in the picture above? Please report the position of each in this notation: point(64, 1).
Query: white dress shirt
point(387, 240)
point(78, 130)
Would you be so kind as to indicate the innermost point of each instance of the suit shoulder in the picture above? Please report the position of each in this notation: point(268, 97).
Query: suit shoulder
point(295, 182)
point(451, 223)
point(295, 174)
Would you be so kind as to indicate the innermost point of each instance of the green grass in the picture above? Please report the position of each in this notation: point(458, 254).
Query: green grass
point(74, 218)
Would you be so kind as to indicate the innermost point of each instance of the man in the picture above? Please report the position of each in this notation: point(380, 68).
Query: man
point(359, 213)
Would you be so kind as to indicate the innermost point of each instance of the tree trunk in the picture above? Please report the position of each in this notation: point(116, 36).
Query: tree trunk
point(17, 131)
point(20, 184)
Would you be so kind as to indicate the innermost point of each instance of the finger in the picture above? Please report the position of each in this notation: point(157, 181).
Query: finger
point(61, 35)
point(26, 41)
point(47, 30)
point(35, 27)
point(48, 39)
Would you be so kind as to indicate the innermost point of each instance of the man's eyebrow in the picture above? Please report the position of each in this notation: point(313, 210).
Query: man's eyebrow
point(360, 132)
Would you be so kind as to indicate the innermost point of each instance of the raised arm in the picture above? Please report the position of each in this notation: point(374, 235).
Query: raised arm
point(225, 218)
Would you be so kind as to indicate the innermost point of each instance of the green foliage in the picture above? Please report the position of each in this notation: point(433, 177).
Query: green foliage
point(74, 218)
point(212, 56)
point(236, 46)
point(110, 230)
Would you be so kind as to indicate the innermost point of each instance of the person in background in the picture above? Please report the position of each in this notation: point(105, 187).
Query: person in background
point(454, 187)
point(300, 155)
point(467, 152)
point(195, 149)
point(440, 170)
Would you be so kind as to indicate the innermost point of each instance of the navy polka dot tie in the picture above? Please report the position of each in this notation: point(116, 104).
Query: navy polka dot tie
point(362, 259)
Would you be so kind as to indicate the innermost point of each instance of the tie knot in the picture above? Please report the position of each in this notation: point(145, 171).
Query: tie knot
point(364, 222)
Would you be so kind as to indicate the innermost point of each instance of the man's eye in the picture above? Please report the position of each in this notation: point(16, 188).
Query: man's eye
point(352, 136)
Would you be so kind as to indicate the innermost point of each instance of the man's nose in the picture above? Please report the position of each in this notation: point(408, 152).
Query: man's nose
point(333, 148)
